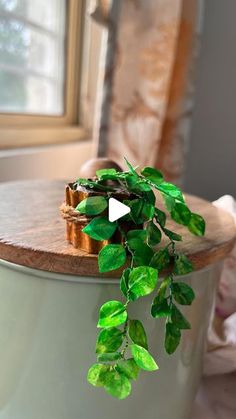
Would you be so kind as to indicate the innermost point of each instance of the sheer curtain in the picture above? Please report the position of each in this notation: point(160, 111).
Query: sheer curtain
point(147, 81)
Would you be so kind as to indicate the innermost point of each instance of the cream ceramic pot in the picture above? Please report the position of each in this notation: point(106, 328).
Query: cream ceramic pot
point(47, 338)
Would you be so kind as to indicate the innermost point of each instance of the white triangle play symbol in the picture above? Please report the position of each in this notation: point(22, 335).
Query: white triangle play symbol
point(116, 209)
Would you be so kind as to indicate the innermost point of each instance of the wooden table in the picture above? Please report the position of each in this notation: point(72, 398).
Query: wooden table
point(32, 232)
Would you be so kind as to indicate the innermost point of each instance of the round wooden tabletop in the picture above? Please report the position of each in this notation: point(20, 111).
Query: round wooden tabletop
point(32, 232)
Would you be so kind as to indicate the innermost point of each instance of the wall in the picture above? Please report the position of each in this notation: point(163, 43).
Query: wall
point(211, 166)
point(60, 162)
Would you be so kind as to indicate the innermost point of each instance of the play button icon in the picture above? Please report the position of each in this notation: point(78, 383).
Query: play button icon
point(116, 209)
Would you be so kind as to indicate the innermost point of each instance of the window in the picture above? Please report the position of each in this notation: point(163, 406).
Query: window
point(40, 62)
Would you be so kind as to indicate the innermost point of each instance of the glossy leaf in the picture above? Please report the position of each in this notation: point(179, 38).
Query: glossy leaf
point(109, 340)
point(134, 235)
point(117, 384)
point(137, 333)
point(183, 293)
point(142, 281)
point(161, 293)
point(96, 374)
point(161, 259)
point(178, 318)
point(111, 257)
point(160, 217)
point(172, 236)
point(100, 228)
point(181, 213)
point(154, 234)
point(197, 225)
point(142, 254)
point(172, 338)
point(131, 168)
point(160, 309)
point(109, 357)
point(182, 265)
point(153, 175)
point(112, 313)
point(129, 368)
point(102, 172)
point(92, 206)
point(171, 190)
point(143, 358)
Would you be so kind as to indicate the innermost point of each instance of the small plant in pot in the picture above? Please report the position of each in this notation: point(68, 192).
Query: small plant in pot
point(134, 243)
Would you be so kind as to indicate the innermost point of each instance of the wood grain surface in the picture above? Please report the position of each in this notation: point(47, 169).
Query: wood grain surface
point(33, 234)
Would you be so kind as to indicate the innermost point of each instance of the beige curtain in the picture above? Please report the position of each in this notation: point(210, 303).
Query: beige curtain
point(147, 82)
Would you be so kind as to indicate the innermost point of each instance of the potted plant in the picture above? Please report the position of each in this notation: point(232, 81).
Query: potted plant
point(133, 243)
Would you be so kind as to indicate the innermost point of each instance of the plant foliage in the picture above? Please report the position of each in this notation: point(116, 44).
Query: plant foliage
point(122, 345)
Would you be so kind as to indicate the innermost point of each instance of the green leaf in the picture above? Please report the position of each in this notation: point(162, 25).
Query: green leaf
point(160, 217)
point(137, 333)
point(172, 338)
point(109, 357)
point(171, 190)
point(172, 236)
point(129, 368)
point(142, 254)
point(109, 340)
point(149, 196)
point(92, 206)
point(134, 235)
point(183, 293)
point(182, 265)
point(124, 281)
point(197, 225)
point(131, 181)
point(154, 234)
point(96, 374)
point(100, 228)
point(143, 187)
point(160, 309)
point(111, 257)
point(161, 259)
point(117, 384)
point(178, 318)
point(131, 168)
point(141, 211)
point(181, 213)
point(142, 281)
point(161, 293)
point(153, 175)
point(102, 172)
point(112, 313)
point(143, 358)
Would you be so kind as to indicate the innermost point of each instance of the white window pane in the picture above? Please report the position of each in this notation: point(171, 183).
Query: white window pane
point(32, 55)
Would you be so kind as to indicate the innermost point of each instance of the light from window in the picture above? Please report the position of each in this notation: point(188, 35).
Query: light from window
point(32, 56)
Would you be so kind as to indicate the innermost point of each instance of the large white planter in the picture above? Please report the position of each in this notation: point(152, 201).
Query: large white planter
point(47, 339)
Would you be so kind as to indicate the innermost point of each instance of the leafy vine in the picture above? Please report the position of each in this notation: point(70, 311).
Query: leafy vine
point(122, 347)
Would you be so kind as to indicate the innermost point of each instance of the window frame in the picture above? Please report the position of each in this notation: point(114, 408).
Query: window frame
point(24, 130)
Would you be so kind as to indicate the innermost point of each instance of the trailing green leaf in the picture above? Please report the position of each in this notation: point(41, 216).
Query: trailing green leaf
point(197, 225)
point(183, 293)
point(97, 373)
point(111, 257)
point(160, 308)
point(178, 318)
point(181, 213)
point(93, 205)
point(172, 338)
point(143, 358)
point(142, 254)
point(182, 265)
point(153, 175)
point(142, 281)
point(137, 333)
point(153, 233)
point(124, 282)
point(100, 228)
point(129, 368)
point(112, 313)
point(102, 172)
point(109, 357)
point(117, 384)
point(109, 340)
point(161, 259)
point(171, 190)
